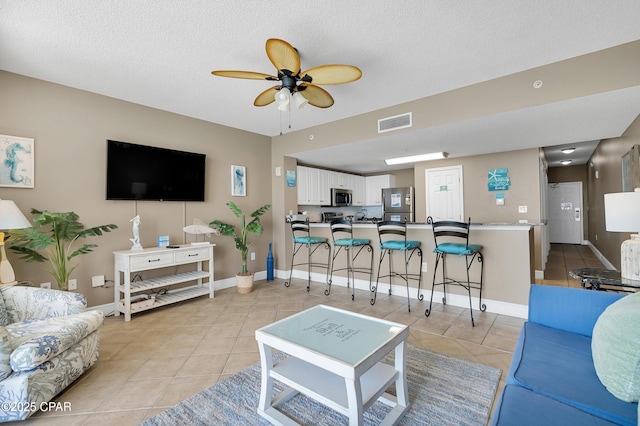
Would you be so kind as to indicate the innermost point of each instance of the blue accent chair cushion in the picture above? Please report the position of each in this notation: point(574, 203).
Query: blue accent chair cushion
point(457, 248)
point(347, 242)
point(310, 240)
point(522, 407)
point(399, 245)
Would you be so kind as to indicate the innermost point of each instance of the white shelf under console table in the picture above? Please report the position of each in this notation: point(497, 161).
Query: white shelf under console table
point(130, 261)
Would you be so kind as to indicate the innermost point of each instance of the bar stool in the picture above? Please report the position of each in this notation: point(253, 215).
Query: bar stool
point(342, 235)
point(393, 237)
point(302, 238)
point(452, 231)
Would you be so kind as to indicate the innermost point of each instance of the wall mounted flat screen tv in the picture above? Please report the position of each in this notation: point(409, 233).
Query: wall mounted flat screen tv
point(141, 172)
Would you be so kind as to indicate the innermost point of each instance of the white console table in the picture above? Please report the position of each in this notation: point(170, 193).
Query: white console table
point(129, 261)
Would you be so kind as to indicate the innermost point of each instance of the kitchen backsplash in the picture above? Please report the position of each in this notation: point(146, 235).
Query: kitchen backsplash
point(315, 212)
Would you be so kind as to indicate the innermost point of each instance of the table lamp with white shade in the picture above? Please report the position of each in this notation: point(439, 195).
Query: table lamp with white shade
point(10, 218)
point(622, 214)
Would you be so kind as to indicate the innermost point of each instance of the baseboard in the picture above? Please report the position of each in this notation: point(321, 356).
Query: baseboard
point(600, 257)
point(493, 306)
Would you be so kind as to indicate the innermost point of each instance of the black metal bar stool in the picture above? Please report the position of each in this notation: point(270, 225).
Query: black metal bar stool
point(446, 233)
point(302, 238)
point(393, 237)
point(342, 235)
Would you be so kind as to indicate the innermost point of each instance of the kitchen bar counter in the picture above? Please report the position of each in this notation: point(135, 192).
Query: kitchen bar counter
point(508, 262)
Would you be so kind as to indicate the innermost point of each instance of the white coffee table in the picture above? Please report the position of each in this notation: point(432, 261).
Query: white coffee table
point(335, 359)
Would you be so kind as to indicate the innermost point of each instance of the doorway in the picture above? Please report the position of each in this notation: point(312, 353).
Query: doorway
point(565, 213)
point(444, 193)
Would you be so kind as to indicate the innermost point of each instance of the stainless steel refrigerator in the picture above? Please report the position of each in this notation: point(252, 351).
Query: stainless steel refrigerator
point(398, 204)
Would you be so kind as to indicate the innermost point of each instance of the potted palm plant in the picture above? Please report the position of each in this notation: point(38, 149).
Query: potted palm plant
point(53, 240)
point(253, 226)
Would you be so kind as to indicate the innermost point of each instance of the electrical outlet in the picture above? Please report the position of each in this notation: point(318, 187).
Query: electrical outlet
point(97, 281)
point(424, 266)
point(253, 255)
point(73, 284)
point(45, 285)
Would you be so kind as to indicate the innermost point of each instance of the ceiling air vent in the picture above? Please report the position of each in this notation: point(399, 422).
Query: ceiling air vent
point(396, 122)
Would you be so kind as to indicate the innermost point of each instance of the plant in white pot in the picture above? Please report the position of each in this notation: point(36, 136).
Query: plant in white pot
point(240, 236)
point(54, 235)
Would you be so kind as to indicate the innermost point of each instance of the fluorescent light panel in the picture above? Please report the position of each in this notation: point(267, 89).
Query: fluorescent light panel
point(416, 158)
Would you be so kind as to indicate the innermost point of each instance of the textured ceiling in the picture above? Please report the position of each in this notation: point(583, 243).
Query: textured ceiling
point(160, 53)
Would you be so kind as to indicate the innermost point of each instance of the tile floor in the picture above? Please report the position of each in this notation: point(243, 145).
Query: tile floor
point(165, 355)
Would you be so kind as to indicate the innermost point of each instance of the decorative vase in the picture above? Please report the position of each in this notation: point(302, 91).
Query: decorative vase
point(270, 264)
point(244, 283)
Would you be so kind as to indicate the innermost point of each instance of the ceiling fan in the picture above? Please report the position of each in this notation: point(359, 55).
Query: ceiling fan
point(302, 86)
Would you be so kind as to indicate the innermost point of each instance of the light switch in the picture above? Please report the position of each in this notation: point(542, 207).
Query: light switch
point(522, 209)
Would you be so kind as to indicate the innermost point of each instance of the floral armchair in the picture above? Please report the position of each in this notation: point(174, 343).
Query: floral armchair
point(47, 340)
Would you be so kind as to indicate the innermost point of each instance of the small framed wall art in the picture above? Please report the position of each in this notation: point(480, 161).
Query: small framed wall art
point(16, 162)
point(238, 181)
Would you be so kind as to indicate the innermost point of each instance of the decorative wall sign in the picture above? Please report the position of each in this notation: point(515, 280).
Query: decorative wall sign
point(291, 178)
point(16, 162)
point(498, 180)
point(238, 181)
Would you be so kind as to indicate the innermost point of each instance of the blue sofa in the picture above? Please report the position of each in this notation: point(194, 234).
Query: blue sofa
point(552, 379)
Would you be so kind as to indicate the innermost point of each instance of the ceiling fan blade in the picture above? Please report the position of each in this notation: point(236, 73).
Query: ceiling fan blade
point(266, 97)
point(250, 75)
point(333, 74)
point(316, 96)
point(282, 55)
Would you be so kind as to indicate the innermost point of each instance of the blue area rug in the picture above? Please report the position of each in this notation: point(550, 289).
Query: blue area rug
point(443, 390)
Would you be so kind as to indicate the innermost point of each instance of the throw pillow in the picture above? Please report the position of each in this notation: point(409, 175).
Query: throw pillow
point(4, 314)
point(5, 354)
point(615, 347)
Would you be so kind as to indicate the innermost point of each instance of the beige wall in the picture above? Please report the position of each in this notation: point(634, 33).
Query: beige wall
point(479, 202)
point(607, 161)
point(70, 128)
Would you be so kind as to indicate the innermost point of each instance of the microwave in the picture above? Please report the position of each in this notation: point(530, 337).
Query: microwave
point(340, 197)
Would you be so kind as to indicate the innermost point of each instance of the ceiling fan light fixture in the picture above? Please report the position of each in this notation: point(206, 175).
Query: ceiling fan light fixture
point(282, 98)
point(417, 158)
point(299, 100)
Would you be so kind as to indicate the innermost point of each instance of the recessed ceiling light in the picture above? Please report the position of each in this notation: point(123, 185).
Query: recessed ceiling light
point(567, 150)
point(565, 162)
point(417, 158)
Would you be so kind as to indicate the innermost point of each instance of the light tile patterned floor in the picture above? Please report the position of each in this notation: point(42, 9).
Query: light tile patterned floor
point(165, 355)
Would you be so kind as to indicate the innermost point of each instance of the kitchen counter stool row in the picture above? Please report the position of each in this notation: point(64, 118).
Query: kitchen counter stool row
point(392, 238)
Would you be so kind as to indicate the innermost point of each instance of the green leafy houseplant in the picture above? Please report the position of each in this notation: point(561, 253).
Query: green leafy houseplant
point(54, 236)
point(245, 228)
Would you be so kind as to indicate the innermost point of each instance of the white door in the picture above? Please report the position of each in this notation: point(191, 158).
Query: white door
point(565, 212)
point(444, 193)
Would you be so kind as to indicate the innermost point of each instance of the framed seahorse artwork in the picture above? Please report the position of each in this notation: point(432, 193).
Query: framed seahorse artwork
point(16, 162)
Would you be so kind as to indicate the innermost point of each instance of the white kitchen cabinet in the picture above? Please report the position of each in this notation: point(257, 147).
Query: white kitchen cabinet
point(130, 261)
point(339, 180)
point(374, 186)
point(303, 185)
point(319, 192)
point(313, 186)
point(358, 187)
